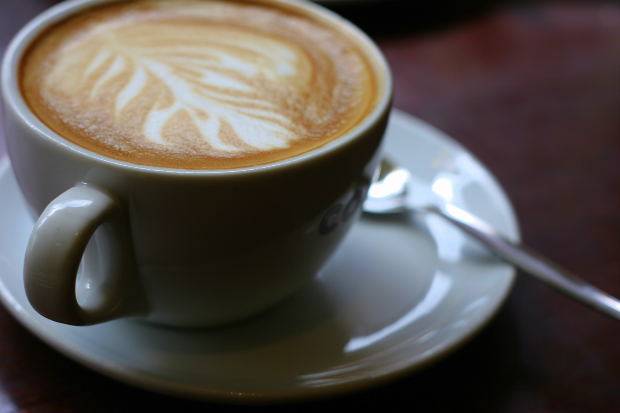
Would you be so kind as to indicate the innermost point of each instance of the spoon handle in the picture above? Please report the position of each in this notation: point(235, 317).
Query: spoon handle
point(530, 261)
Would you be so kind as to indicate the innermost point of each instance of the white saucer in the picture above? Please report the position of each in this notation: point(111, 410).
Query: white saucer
point(396, 297)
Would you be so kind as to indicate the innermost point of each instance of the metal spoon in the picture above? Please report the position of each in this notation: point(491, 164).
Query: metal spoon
point(390, 193)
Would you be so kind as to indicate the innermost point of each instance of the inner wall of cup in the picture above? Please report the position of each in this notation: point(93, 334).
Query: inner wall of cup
point(19, 44)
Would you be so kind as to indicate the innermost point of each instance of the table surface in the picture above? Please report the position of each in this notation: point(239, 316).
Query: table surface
point(533, 90)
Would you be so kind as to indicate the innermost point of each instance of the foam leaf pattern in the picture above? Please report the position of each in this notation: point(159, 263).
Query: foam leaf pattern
point(213, 85)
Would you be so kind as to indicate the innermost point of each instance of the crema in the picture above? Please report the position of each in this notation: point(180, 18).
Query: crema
point(198, 84)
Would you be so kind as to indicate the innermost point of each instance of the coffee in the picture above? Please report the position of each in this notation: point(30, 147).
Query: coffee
point(199, 84)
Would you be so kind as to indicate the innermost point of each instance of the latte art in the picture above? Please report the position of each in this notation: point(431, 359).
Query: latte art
point(197, 84)
point(206, 88)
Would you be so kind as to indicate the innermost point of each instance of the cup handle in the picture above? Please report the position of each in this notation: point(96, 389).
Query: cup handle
point(55, 249)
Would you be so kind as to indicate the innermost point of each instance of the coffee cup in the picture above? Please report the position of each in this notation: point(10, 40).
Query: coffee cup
point(191, 163)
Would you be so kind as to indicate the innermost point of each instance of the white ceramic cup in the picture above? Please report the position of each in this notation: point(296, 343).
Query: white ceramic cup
point(173, 246)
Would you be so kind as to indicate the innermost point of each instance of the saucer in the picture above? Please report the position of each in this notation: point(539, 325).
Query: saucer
point(399, 294)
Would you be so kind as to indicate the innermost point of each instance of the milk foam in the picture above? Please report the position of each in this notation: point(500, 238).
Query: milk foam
point(201, 78)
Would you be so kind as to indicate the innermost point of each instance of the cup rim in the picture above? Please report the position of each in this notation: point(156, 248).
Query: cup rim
point(13, 97)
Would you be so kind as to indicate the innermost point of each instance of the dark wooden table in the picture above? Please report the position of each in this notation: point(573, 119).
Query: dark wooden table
point(534, 91)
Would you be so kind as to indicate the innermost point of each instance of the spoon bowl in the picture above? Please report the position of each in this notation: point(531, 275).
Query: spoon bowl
point(393, 191)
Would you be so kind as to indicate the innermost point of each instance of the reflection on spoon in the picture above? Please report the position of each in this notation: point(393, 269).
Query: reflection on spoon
point(391, 193)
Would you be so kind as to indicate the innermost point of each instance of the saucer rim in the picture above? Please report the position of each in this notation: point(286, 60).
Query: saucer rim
point(152, 383)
